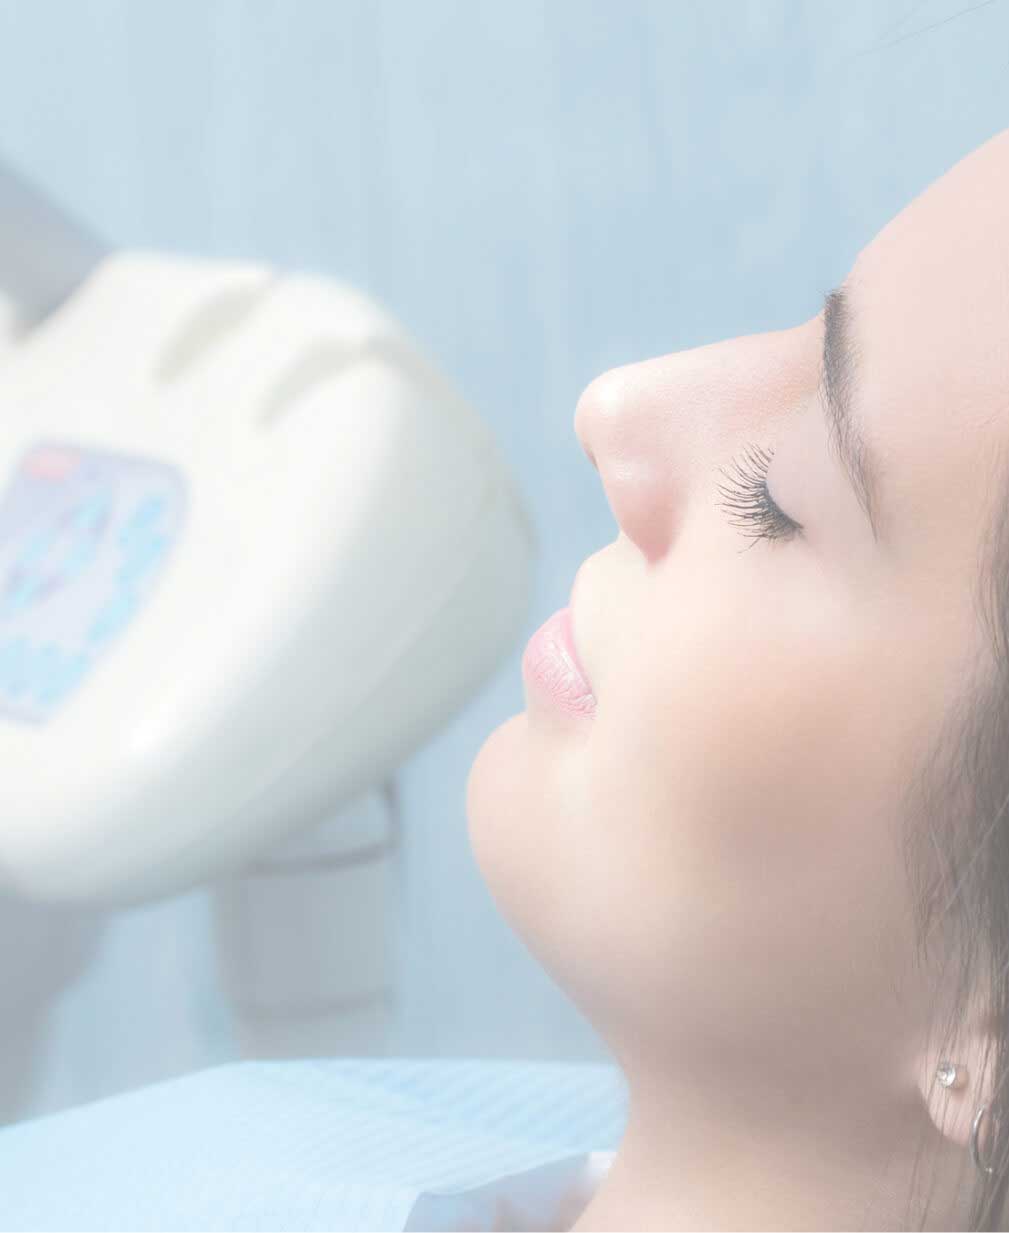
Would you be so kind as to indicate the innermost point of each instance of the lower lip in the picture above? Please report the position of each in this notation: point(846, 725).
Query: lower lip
point(550, 665)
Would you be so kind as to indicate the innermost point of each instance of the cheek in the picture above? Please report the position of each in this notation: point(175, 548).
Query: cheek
point(737, 802)
point(731, 728)
point(724, 844)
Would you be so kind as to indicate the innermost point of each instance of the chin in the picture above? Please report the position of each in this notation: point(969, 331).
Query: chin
point(513, 813)
point(494, 787)
point(509, 818)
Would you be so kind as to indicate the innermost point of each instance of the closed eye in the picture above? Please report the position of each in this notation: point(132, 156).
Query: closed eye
point(750, 502)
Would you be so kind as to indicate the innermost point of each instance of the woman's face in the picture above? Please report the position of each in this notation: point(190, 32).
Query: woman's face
point(711, 863)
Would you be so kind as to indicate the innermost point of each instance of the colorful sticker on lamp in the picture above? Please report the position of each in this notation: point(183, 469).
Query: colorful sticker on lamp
point(84, 535)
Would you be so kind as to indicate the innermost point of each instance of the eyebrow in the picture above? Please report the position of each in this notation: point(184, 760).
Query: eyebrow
point(838, 375)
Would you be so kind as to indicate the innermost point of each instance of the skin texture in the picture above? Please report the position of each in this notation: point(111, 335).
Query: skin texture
point(710, 866)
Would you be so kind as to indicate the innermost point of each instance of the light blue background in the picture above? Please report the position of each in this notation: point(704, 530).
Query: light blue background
point(539, 192)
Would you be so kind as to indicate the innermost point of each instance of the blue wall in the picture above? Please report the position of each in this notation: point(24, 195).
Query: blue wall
point(539, 191)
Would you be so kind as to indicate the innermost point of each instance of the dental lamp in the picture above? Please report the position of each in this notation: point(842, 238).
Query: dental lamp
point(255, 551)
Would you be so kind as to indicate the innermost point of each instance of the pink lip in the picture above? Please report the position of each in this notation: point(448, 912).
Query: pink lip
point(550, 664)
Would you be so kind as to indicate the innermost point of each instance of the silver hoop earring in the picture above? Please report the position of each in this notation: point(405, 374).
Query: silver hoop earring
point(975, 1155)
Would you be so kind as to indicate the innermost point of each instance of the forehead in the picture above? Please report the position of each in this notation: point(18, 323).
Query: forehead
point(930, 299)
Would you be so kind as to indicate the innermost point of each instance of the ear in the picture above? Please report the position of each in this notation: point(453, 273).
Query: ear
point(952, 1109)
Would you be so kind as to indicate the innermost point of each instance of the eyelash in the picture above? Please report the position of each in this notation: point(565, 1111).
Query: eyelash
point(749, 498)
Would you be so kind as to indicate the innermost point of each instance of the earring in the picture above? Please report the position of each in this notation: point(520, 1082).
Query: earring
point(950, 1074)
point(975, 1155)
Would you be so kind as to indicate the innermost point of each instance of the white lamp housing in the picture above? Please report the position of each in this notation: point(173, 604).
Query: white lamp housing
point(254, 551)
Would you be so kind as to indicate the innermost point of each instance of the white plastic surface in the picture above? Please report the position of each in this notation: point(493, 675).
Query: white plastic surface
point(354, 563)
point(306, 936)
point(10, 325)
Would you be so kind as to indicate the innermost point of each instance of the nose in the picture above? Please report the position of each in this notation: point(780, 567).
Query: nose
point(656, 429)
point(628, 445)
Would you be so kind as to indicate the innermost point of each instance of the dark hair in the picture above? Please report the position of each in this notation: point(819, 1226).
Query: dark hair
point(957, 854)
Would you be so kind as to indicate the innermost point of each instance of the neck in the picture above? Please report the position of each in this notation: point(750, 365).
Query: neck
point(833, 1154)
